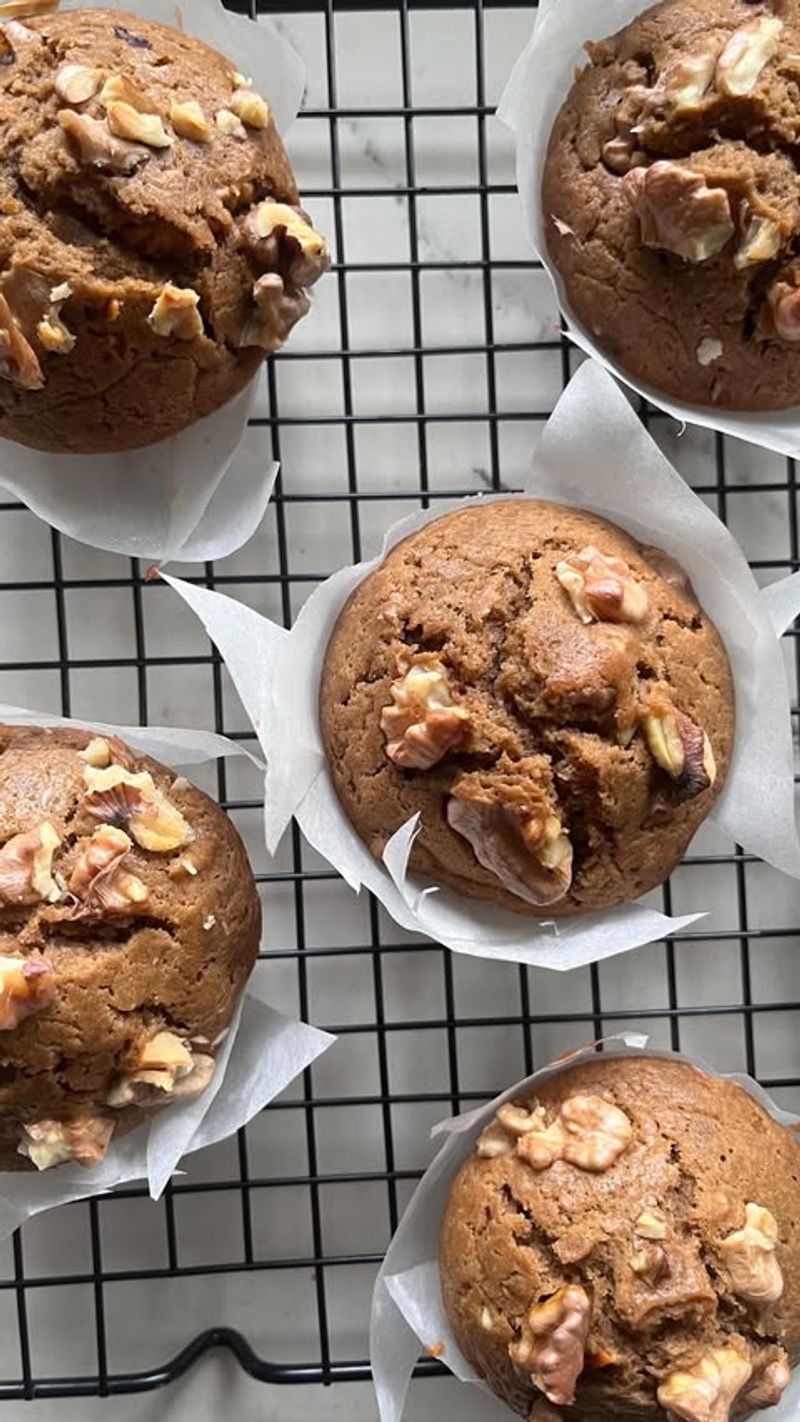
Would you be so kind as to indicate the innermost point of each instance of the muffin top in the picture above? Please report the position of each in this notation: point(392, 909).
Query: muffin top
point(129, 923)
point(627, 1244)
point(546, 694)
point(151, 246)
point(672, 200)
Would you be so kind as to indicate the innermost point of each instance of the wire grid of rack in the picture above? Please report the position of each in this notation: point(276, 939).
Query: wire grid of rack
point(427, 370)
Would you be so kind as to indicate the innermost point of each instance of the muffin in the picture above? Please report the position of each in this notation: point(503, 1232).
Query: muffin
point(671, 200)
point(626, 1244)
point(546, 694)
point(129, 924)
point(152, 248)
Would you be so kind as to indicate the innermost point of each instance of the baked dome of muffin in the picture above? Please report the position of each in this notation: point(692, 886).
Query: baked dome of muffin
point(627, 1244)
point(152, 249)
point(549, 697)
point(129, 924)
point(671, 201)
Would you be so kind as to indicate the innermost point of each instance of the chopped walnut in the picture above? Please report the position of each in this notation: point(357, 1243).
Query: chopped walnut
point(749, 1255)
point(679, 746)
point(768, 1387)
point(189, 121)
point(651, 1224)
point(230, 124)
point(99, 882)
point(278, 235)
point(176, 314)
point(587, 1132)
point(705, 1391)
point(602, 589)
point(785, 303)
point(83, 1139)
point(167, 1067)
point(97, 753)
point(551, 1347)
point(276, 312)
point(77, 83)
point(250, 108)
point(423, 724)
point(127, 122)
point(514, 833)
point(119, 89)
point(52, 331)
point(26, 986)
point(115, 796)
point(26, 863)
point(493, 1142)
point(748, 50)
point(650, 1263)
point(680, 89)
point(620, 154)
point(761, 241)
point(18, 360)
point(708, 350)
point(678, 212)
point(98, 147)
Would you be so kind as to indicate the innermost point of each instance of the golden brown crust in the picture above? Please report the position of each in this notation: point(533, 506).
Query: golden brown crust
point(477, 595)
point(112, 221)
point(177, 961)
point(700, 316)
point(701, 1150)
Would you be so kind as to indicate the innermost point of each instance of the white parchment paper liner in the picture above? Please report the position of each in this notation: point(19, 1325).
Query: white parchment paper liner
point(407, 1307)
point(595, 454)
point(202, 494)
point(261, 1054)
point(539, 84)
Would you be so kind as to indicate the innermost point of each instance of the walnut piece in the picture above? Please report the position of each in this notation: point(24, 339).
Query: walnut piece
point(117, 797)
point(422, 725)
point(761, 241)
point(230, 124)
point(99, 882)
point(253, 111)
point(97, 147)
point(52, 331)
point(83, 1139)
point(551, 1347)
point(708, 350)
point(748, 50)
point(26, 986)
point(26, 862)
point(680, 747)
point(176, 314)
point(785, 303)
point(276, 312)
point(769, 1386)
point(127, 122)
point(119, 89)
point(587, 1132)
point(602, 589)
point(650, 1263)
point(77, 83)
point(705, 1391)
point(18, 360)
point(749, 1254)
point(97, 753)
point(493, 1142)
point(167, 1067)
point(514, 833)
point(189, 121)
point(276, 234)
point(651, 1224)
point(678, 212)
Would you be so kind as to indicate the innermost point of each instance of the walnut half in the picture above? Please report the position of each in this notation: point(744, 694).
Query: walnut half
point(602, 589)
point(679, 746)
point(422, 725)
point(99, 882)
point(551, 1349)
point(84, 1139)
point(117, 797)
point(678, 212)
point(705, 1391)
point(749, 1255)
point(588, 1132)
point(514, 832)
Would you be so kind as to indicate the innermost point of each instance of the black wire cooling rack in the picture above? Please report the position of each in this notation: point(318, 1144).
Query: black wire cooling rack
point(377, 406)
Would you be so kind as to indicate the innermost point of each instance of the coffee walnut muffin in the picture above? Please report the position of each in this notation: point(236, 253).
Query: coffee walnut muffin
point(671, 200)
point(152, 246)
point(626, 1245)
point(546, 694)
point(129, 924)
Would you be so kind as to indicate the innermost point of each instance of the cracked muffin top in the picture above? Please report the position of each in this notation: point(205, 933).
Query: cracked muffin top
point(129, 924)
point(546, 694)
point(626, 1244)
point(671, 200)
point(152, 249)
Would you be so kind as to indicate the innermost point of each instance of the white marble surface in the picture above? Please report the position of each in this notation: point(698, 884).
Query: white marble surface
point(148, 1321)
